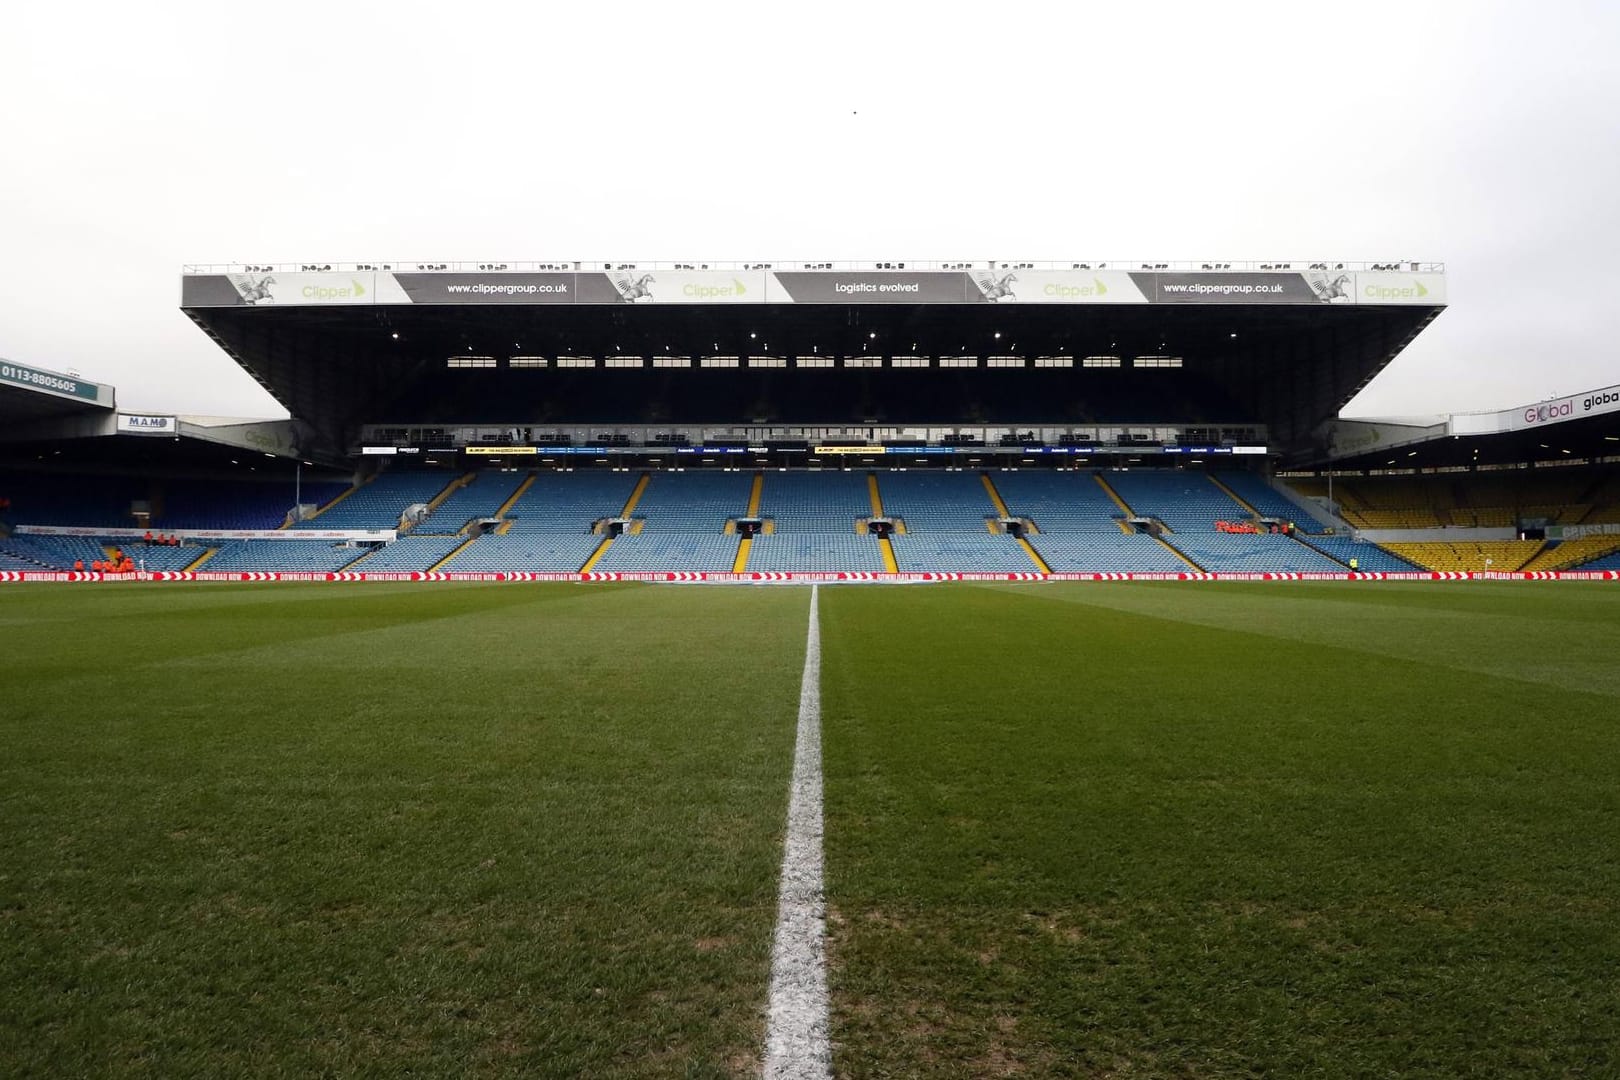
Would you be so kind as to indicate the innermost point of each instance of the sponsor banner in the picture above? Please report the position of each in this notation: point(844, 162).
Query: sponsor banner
point(1246, 288)
point(874, 287)
point(1547, 412)
point(49, 381)
point(213, 534)
point(546, 288)
point(1400, 288)
point(674, 287)
point(1594, 403)
point(502, 451)
point(1347, 438)
point(270, 289)
point(1057, 287)
point(1575, 532)
point(133, 424)
point(810, 287)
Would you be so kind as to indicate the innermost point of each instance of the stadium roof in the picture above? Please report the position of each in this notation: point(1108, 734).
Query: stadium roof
point(1284, 344)
point(65, 420)
point(1579, 427)
point(30, 395)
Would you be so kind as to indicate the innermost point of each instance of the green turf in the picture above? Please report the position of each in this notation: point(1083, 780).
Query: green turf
point(1224, 830)
point(1192, 829)
point(457, 830)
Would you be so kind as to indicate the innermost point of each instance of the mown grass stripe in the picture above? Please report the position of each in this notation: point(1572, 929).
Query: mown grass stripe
point(796, 1043)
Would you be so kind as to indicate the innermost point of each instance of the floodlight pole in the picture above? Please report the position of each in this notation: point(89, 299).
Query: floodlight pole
point(298, 485)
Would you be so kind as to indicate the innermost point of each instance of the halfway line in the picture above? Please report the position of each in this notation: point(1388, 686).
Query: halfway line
point(796, 1046)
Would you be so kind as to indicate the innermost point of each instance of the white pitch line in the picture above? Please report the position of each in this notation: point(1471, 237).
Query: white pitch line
point(796, 1043)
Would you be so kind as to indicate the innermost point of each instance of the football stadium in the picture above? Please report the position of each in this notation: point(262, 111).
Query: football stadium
point(536, 698)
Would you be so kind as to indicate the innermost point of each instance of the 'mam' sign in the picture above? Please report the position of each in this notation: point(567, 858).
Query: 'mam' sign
point(139, 424)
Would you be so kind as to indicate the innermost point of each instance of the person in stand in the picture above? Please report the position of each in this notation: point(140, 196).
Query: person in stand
point(78, 566)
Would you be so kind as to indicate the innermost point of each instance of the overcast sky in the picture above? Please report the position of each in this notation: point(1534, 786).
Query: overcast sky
point(138, 137)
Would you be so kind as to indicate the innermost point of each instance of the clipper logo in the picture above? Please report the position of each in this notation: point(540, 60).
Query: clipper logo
point(694, 291)
point(1060, 291)
point(1331, 290)
point(1541, 414)
point(996, 289)
point(634, 290)
point(1375, 292)
point(333, 292)
point(254, 290)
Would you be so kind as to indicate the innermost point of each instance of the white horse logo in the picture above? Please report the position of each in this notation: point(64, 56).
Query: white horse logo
point(997, 289)
point(1331, 290)
point(254, 290)
point(635, 289)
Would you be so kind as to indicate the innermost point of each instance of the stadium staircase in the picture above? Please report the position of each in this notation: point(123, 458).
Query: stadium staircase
point(995, 496)
point(624, 513)
point(635, 495)
point(745, 547)
point(522, 489)
point(885, 547)
point(360, 558)
point(1125, 508)
point(450, 489)
point(1178, 553)
point(756, 493)
point(208, 553)
point(319, 510)
point(457, 550)
point(1320, 551)
point(1034, 556)
point(1005, 514)
point(1235, 497)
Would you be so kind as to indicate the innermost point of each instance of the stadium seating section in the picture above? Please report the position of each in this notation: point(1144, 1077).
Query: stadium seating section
point(1270, 502)
point(1474, 555)
point(410, 553)
point(947, 520)
point(110, 502)
point(1573, 553)
point(295, 556)
point(379, 503)
point(478, 496)
point(1185, 501)
point(1368, 558)
point(1476, 500)
point(26, 552)
point(568, 502)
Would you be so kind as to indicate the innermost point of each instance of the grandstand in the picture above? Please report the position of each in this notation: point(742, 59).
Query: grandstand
point(814, 418)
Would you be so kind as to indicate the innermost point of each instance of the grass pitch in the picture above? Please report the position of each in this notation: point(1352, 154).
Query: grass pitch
point(1200, 829)
point(1228, 831)
point(370, 831)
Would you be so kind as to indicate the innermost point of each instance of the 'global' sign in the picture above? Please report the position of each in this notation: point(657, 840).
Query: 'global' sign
point(1554, 410)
